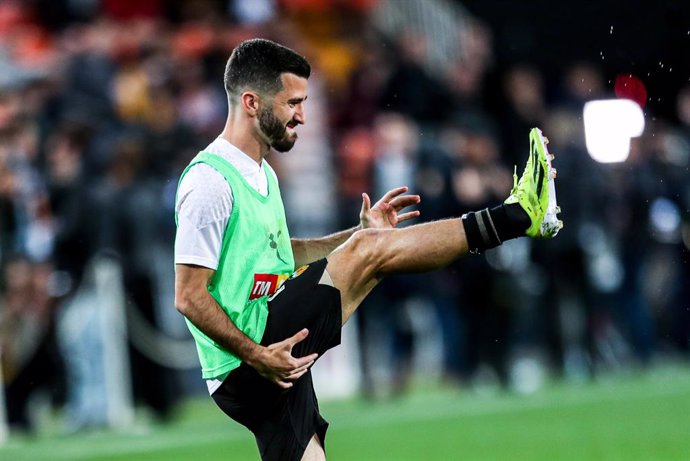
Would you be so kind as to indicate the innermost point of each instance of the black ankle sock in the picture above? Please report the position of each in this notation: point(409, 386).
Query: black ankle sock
point(488, 228)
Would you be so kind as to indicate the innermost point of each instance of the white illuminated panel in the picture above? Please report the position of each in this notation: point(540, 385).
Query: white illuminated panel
point(609, 125)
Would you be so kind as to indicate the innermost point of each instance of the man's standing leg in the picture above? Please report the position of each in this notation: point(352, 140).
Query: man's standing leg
point(314, 450)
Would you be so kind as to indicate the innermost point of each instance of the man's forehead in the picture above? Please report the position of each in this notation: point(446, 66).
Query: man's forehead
point(294, 85)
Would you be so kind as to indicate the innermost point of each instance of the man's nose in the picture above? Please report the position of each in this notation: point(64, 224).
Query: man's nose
point(299, 115)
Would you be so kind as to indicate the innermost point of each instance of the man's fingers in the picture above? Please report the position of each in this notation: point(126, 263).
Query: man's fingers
point(296, 338)
point(404, 201)
point(297, 375)
point(287, 379)
point(283, 384)
point(305, 361)
point(406, 216)
point(305, 365)
point(366, 202)
point(290, 342)
point(391, 194)
point(299, 371)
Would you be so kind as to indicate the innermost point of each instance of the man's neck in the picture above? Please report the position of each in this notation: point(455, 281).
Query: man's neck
point(246, 140)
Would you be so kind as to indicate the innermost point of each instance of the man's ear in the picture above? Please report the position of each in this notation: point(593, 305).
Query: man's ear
point(250, 103)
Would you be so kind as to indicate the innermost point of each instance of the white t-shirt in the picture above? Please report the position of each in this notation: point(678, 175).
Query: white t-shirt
point(204, 204)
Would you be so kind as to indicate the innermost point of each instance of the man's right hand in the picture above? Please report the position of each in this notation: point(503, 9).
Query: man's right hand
point(277, 364)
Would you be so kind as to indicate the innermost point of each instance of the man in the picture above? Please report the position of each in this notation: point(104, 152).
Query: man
point(258, 323)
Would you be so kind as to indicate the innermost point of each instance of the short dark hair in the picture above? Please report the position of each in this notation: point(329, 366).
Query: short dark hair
point(257, 64)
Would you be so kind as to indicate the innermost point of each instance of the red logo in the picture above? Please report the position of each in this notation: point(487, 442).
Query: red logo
point(266, 285)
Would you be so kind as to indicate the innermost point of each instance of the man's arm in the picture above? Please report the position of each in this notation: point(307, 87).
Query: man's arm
point(384, 214)
point(307, 251)
point(274, 362)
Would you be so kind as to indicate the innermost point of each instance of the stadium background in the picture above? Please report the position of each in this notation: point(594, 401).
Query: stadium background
point(584, 339)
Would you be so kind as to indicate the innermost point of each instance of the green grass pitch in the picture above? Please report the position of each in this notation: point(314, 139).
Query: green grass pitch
point(640, 416)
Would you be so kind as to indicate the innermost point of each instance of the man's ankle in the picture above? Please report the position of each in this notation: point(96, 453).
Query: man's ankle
point(488, 228)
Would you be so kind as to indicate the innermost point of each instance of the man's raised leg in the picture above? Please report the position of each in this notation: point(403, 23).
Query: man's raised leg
point(357, 266)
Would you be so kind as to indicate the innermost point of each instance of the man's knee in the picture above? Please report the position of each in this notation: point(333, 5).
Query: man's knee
point(368, 248)
point(360, 259)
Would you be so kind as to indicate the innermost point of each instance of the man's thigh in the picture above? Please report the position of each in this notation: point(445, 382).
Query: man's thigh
point(352, 269)
point(303, 302)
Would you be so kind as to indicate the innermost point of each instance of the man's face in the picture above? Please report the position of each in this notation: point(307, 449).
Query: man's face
point(278, 120)
point(275, 130)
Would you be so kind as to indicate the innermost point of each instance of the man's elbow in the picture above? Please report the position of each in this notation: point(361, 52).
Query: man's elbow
point(183, 303)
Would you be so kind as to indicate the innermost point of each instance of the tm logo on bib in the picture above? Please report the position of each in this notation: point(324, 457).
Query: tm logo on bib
point(266, 285)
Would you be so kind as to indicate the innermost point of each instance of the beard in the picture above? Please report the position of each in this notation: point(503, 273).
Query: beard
point(276, 131)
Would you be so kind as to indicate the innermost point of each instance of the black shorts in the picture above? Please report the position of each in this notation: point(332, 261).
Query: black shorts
point(284, 420)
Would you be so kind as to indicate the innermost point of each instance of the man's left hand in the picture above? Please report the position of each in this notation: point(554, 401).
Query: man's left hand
point(385, 213)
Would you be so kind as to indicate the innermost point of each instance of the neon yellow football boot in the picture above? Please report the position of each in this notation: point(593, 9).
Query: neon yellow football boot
point(536, 191)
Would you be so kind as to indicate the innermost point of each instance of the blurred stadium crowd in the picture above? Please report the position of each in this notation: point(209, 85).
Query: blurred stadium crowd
point(103, 102)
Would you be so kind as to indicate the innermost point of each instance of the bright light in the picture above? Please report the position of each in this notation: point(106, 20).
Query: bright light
point(609, 125)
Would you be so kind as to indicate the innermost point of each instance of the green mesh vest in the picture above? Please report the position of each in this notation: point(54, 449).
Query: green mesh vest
point(256, 257)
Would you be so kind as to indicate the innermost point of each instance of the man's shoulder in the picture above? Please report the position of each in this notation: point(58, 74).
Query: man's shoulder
point(203, 173)
point(204, 182)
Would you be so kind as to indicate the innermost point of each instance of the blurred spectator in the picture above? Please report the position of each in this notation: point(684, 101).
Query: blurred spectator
point(354, 162)
point(411, 89)
point(129, 227)
point(28, 352)
point(479, 179)
point(466, 77)
point(679, 148)
point(168, 141)
point(433, 182)
point(359, 102)
point(70, 202)
point(523, 109)
point(660, 168)
point(386, 323)
point(200, 103)
point(569, 302)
